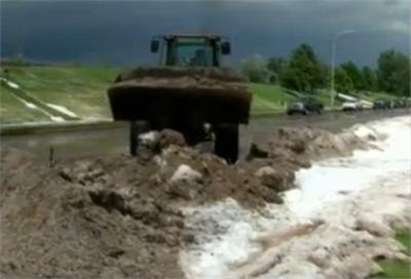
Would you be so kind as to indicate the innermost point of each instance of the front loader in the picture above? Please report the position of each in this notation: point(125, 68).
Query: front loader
point(187, 92)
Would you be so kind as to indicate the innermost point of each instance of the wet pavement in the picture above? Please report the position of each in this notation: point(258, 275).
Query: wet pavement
point(87, 141)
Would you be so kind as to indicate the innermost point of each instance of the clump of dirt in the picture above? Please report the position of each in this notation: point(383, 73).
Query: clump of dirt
point(293, 148)
point(119, 216)
point(305, 145)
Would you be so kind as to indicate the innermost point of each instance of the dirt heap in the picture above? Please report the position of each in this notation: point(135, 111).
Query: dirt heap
point(113, 217)
point(118, 216)
point(306, 144)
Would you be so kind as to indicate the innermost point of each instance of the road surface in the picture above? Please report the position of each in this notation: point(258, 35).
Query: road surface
point(87, 141)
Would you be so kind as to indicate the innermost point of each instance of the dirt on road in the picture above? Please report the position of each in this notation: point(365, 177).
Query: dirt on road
point(121, 217)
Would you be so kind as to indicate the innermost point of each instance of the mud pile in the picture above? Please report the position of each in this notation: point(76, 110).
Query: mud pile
point(308, 144)
point(120, 217)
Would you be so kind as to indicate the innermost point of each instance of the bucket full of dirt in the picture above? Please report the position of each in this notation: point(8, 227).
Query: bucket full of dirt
point(214, 95)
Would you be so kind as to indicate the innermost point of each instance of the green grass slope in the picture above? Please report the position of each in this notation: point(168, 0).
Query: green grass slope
point(80, 89)
point(269, 98)
point(14, 111)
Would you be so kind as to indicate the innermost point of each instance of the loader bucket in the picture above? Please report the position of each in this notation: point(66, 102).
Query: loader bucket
point(212, 95)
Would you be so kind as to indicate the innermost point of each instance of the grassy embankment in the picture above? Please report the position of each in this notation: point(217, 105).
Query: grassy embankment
point(14, 111)
point(269, 98)
point(82, 90)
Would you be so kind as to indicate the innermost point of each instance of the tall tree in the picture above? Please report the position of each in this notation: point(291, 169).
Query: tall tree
point(355, 74)
point(343, 82)
point(370, 79)
point(303, 72)
point(276, 65)
point(394, 72)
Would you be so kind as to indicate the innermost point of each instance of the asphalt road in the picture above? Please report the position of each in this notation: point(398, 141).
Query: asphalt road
point(83, 142)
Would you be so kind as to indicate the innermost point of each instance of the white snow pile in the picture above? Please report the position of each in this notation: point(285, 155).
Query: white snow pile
point(265, 171)
point(186, 174)
point(30, 105)
point(9, 83)
point(35, 107)
point(149, 139)
point(57, 118)
point(333, 226)
point(63, 110)
point(225, 236)
point(331, 180)
point(350, 236)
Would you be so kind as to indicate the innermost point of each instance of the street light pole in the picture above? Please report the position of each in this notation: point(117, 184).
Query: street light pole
point(333, 52)
point(332, 90)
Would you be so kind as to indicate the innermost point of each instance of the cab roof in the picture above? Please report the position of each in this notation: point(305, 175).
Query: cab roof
point(192, 36)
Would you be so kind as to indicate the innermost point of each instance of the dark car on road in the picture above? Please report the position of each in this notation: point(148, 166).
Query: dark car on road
point(296, 108)
point(312, 105)
point(380, 104)
point(305, 107)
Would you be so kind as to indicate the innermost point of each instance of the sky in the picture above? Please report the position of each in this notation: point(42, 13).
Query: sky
point(119, 32)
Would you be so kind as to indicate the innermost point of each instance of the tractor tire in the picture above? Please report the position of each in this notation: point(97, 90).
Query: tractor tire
point(227, 142)
point(136, 129)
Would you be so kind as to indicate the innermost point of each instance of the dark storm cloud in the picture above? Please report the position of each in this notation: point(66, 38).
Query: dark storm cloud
point(391, 2)
point(119, 31)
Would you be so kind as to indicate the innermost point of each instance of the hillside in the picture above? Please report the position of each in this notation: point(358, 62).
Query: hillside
point(80, 91)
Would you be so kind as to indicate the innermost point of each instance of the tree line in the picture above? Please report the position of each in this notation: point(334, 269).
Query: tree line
point(304, 72)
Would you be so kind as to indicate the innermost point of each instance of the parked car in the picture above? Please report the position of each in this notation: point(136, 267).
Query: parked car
point(360, 105)
point(400, 103)
point(351, 106)
point(297, 108)
point(379, 104)
point(312, 105)
point(306, 106)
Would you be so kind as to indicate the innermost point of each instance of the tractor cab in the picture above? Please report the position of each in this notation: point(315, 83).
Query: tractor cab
point(190, 50)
